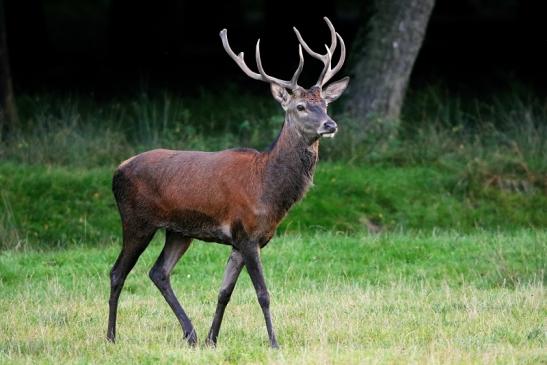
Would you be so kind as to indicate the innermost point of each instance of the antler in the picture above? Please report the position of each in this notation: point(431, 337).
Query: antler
point(262, 76)
point(327, 72)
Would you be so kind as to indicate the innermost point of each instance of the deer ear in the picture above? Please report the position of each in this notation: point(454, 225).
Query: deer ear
point(280, 94)
point(334, 90)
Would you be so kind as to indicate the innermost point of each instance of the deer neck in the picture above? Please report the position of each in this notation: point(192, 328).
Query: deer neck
point(289, 169)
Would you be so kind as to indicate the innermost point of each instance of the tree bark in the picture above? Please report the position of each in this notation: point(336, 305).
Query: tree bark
point(8, 111)
point(384, 52)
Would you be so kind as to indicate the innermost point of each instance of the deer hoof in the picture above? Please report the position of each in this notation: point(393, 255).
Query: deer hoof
point(209, 342)
point(192, 338)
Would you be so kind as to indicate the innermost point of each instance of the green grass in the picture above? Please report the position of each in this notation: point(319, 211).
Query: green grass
point(401, 297)
point(49, 206)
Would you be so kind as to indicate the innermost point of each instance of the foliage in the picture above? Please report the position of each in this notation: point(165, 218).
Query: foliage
point(78, 131)
point(437, 128)
point(455, 163)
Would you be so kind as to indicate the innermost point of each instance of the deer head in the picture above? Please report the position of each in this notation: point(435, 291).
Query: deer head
point(305, 109)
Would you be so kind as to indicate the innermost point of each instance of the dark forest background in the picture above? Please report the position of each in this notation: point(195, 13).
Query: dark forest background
point(114, 46)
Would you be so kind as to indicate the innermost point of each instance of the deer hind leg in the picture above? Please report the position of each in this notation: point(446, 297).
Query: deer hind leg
point(231, 273)
point(175, 246)
point(135, 241)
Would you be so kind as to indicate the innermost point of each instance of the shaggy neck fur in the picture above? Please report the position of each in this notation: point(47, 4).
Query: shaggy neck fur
point(289, 170)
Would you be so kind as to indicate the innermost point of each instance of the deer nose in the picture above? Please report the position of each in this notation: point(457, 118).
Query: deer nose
point(330, 126)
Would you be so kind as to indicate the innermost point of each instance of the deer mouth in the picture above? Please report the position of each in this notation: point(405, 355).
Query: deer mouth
point(329, 134)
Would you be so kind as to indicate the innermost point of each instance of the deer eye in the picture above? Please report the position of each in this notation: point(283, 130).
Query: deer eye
point(300, 107)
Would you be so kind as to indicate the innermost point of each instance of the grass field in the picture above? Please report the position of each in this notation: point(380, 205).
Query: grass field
point(454, 272)
point(399, 297)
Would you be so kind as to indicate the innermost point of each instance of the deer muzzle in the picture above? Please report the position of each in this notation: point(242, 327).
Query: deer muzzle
point(328, 128)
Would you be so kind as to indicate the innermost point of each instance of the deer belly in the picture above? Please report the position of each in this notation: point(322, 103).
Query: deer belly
point(199, 225)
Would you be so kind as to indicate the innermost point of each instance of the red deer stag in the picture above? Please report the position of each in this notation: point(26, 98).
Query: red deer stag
point(235, 197)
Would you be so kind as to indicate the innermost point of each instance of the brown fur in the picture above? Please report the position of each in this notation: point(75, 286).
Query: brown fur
point(198, 193)
point(313, 95)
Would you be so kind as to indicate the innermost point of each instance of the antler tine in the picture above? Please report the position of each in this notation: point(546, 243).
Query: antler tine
point(327, 72)
point(327, 62)
point(332, 35)
point(341, 60)
point(237, 58)
point(294, 80)
point(262, 76)
point(306, 47)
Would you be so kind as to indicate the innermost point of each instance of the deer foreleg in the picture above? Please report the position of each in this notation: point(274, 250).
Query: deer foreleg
point(251, 257)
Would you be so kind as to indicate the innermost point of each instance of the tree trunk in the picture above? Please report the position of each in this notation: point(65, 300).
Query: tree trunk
point(383, 55)
point(8, 111)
